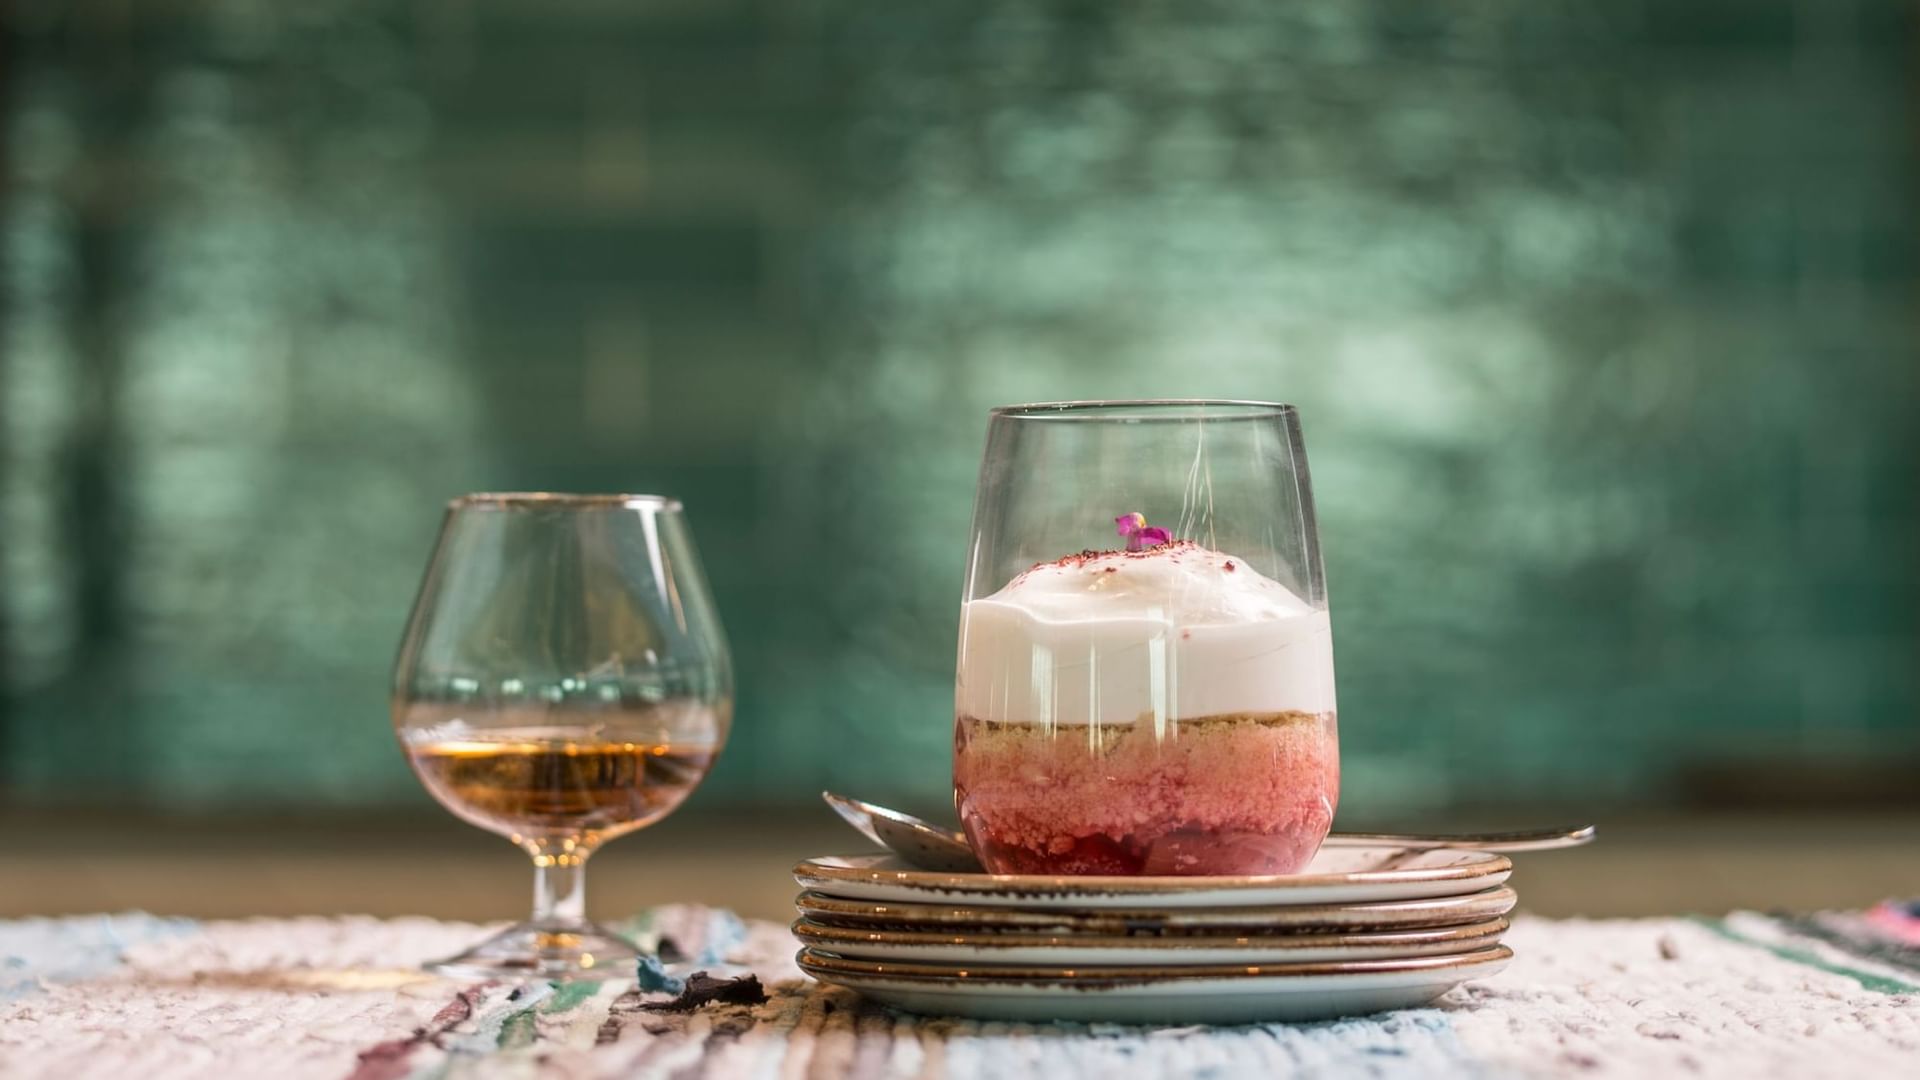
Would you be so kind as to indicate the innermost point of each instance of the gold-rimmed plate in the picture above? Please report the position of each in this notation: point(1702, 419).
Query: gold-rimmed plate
point(1474, 907)
point(1339, 874)
point(1001, 948)
point(1156, 995)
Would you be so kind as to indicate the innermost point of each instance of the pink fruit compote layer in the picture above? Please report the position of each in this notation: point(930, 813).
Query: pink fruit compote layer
point(1224, 795)
point(1166, 711)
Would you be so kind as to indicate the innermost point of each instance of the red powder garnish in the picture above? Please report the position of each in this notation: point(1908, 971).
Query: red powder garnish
point(1078, 561)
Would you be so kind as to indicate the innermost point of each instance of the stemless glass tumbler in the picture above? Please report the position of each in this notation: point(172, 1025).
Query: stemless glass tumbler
point(1145, 678)
point(563, 681)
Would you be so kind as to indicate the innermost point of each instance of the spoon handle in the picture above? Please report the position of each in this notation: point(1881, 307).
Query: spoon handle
point(1523, 840)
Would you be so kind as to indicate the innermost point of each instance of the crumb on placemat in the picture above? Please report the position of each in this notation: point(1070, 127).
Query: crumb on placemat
point(702, 989)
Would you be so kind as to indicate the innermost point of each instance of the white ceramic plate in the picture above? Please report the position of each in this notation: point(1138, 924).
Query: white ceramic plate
point(1339, 874)
point(995, 947)
point(1227, 995)
point(1294, 918)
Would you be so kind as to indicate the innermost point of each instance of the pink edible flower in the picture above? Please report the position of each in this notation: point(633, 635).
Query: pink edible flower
point(1140, 536)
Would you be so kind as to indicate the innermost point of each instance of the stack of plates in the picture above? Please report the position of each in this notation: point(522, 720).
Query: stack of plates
point(1362, 929)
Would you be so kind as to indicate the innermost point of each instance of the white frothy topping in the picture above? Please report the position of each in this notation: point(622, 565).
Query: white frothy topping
point(1174, 633)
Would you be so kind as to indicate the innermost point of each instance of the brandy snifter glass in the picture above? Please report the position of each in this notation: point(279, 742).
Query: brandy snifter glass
point(564, 680)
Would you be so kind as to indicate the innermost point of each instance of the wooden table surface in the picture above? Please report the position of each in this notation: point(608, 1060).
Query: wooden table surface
point(426, 864)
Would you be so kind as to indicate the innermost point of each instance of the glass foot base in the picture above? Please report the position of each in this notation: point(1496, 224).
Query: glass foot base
point(584, 952)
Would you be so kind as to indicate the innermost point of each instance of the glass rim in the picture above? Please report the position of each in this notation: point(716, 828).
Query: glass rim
point(560, 500)
point(1173, 408)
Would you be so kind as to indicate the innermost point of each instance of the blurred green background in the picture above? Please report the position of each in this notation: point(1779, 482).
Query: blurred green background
point(1601, 318)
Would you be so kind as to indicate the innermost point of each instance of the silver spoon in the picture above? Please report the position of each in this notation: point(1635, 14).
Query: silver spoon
point(928, 846)
point(921, 843)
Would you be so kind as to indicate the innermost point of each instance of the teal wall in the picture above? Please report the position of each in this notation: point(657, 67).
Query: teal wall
point(1600, 317)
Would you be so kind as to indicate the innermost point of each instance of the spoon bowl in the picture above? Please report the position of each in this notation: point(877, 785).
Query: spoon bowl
point(921, 843)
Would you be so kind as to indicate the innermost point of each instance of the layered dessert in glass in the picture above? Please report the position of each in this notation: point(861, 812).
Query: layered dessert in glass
point(1160, 710)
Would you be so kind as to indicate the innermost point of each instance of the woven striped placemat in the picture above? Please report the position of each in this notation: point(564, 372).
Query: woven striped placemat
point(342, 998)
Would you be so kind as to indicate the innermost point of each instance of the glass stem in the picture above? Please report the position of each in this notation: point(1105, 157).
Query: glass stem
point(560, 890)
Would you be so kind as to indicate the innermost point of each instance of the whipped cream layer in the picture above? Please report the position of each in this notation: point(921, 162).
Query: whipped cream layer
point(1174, 633)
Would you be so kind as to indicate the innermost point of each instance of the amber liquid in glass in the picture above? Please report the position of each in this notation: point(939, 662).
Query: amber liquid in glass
point(576, 786)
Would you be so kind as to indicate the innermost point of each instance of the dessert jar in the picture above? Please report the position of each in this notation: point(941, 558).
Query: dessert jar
point(1145, 672)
